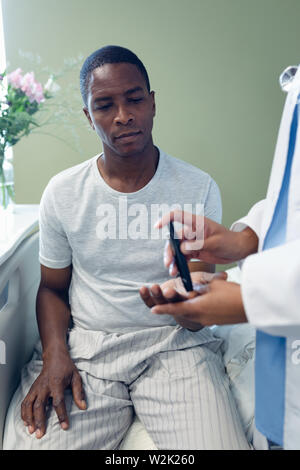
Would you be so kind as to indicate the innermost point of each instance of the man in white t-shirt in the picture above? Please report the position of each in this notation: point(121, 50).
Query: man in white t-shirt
point(97, 249)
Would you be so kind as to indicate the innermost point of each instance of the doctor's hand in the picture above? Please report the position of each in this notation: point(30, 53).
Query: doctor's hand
point(59, 372)
point(219, 303)
point(217, 245)
point(173, 291)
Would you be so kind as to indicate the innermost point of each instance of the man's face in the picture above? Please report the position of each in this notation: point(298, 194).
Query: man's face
point(120, 108)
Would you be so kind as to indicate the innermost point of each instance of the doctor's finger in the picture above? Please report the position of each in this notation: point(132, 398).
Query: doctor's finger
point(203, 277)
point(186, 218)
point(168, 254)
point(173, 308)
point(192, 247)
point(189, 233)
point(169, 260)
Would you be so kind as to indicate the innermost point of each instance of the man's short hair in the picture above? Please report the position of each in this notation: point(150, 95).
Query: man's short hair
point(108, 55)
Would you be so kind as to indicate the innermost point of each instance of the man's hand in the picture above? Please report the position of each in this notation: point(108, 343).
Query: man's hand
point(219, 246)
point(174, 291)
point(219, 303)
point(58, 373)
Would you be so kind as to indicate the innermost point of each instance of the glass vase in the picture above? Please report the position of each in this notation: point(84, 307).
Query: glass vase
point(7, 191)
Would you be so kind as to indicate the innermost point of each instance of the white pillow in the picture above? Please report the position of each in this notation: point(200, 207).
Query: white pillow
point(137, 438)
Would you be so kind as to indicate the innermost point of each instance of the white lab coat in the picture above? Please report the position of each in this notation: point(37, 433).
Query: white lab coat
point(271, 279)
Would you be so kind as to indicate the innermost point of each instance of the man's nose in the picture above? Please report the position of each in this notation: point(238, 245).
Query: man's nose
point(123, 116)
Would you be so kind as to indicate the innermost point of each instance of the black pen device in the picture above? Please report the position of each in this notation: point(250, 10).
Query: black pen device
point(180, 260)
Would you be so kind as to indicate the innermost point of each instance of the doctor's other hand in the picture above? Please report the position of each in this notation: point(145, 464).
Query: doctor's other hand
point(173, 291)
point(219, 303)
point(204, 239)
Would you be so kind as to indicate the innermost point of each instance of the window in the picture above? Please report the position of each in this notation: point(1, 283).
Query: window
point(8, 152)
point(2, 45)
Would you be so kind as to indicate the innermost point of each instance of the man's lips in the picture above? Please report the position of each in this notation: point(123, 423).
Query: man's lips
point(127, 134)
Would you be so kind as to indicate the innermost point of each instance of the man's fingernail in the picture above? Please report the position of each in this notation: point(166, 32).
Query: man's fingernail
point(30, 429)
point(64, 425)
point(83, 403)
point(38, 434)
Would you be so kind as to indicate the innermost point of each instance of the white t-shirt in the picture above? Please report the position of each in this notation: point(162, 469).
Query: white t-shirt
point(109, 238)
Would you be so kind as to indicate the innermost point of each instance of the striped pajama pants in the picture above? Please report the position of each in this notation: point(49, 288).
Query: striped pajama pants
point(172, 378)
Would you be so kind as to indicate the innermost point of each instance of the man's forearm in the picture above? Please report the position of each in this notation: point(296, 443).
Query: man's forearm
point(53, 316)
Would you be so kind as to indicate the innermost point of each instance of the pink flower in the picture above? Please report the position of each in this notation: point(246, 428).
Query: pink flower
point(32, 88)
point(15, 78)
point(27, 83)
point(38, 94)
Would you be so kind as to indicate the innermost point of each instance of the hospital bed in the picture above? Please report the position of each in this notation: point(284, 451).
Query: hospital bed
point(19, 280)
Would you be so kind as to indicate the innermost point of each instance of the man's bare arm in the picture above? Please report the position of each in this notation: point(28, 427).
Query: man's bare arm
point(52, 308)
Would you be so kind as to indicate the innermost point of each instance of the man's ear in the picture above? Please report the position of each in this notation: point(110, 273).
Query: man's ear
point(86, 112)
point(152, 93)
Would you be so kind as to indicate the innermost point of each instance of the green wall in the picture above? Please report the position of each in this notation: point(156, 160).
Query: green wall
point(214, 65)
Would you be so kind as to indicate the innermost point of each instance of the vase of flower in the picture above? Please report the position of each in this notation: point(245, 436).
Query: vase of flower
point(21, 97)
point(7, 192)
point(21, 100)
